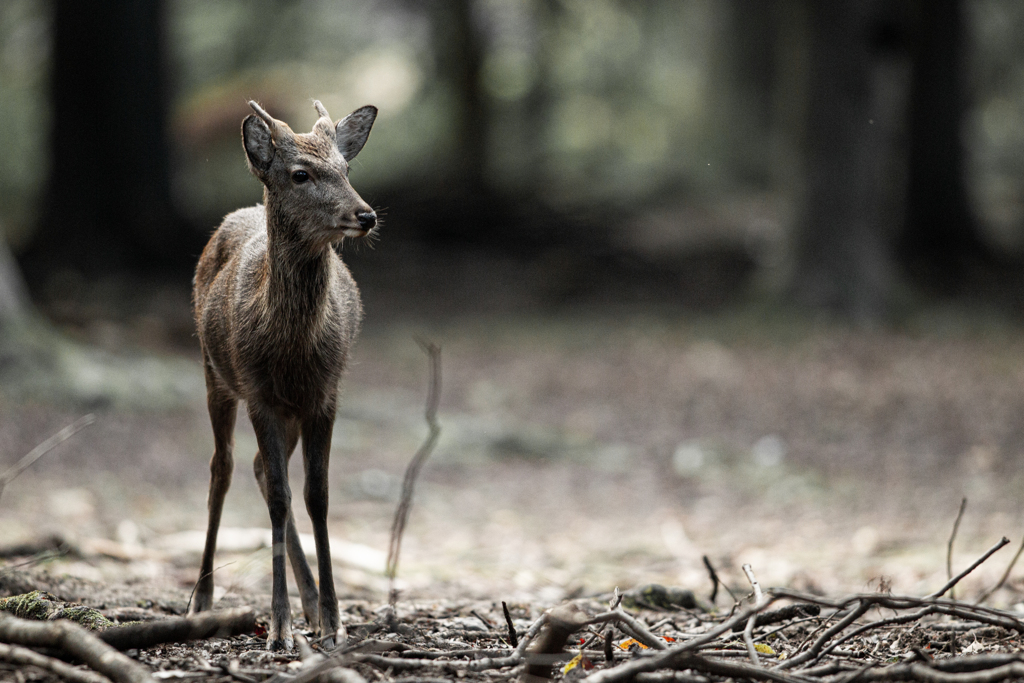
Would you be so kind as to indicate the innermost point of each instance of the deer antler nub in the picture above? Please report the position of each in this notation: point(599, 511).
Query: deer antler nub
point(273, 124)
point(320, 109)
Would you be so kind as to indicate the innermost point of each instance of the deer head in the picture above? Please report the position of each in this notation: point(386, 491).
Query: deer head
point(308, 195)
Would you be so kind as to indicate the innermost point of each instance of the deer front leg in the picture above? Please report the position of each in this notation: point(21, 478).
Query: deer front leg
point(223, 409)
point(316, 451)
point(271, 436)
point(300, 568)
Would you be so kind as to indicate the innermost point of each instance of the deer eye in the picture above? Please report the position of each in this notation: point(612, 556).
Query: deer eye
point(300, 177)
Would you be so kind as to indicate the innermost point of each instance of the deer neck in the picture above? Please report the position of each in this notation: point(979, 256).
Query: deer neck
point(298, 273)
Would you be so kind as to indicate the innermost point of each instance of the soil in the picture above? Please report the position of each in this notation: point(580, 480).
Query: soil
point(580, 452)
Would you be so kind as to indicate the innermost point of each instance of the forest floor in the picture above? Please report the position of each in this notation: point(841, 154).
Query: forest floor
point(580, 453)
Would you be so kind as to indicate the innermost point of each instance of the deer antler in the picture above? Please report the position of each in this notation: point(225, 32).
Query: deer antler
point(320, 109)
point(276, 127)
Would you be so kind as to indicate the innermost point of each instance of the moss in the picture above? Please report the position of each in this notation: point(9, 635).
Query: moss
point(43, 606)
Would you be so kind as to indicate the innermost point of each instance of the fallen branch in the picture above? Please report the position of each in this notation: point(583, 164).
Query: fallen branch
point(630, 626)
point(668, 658)
point(776, 616)
point(64, 636)
point(219, 624)
point(22, 656)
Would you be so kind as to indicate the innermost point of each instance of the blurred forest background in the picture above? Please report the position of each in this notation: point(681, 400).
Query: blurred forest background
point(854, 157)
point(678, 253)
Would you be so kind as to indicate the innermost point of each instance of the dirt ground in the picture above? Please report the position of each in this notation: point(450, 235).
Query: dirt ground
point(580, 452)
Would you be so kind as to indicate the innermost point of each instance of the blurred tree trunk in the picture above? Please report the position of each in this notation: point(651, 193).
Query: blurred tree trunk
point(859, 74)
point(460, 54)
point(940, 242)
point(108, 200)
point(13, 298)
point(746, 62)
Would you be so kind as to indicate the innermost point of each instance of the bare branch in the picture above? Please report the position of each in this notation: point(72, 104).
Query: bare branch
point(219, 624)
point(44, 448)
point(1002, 580)
point(71, 638)
point(512, 639)
point(956, 579)
point(412, 471)
point(22, 656)
point(949, 545)
point(748, 631)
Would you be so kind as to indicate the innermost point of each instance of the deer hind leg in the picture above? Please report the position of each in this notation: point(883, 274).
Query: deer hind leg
point(223, 408)
point(300, 567)
point(316, 451)
point(271, 435)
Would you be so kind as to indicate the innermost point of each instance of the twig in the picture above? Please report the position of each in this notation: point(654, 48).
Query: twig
point(922, 672)
point(412, 471)
point(616, 600)
point(956, 579)
point(71, 638)
point(1002, 580)
point(306, 654)
point(188, 605)
point(949, 545)
point(44, 448)
point(631, 627)
point(666, 658)
point(812, 653)
point(716, 582)
point(748, 631)
point(736, 670)
point(512, 639)
point(775, 616)
point(484, 620)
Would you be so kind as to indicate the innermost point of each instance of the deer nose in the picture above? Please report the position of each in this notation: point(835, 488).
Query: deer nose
point(367, 220)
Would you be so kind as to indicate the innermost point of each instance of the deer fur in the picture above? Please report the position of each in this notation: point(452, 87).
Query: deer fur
point(277, 312)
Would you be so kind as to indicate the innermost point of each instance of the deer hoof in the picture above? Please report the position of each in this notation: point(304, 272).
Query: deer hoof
point(286, 644)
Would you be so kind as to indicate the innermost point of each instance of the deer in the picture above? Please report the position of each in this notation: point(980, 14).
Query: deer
point(277, 312)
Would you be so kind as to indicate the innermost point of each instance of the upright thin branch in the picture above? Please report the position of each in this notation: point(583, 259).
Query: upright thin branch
point(949, 545)
point(412, 471)
point(748, 632)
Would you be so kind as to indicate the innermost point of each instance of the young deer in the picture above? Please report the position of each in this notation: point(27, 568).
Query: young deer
point(277, 311)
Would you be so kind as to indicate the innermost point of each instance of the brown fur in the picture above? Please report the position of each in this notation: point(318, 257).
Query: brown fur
point(277, 312)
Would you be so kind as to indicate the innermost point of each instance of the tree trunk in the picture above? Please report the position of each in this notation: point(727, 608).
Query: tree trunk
point(940, 241)
point(843, 248)
point(13, 297)
point(108, 201)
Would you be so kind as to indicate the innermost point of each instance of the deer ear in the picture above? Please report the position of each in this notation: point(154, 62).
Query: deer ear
point(258, 143)
point(352, 131)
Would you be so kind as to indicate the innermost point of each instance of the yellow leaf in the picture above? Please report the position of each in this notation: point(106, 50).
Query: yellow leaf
point(572, 664)
point(763, 649)
point(626, 644)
